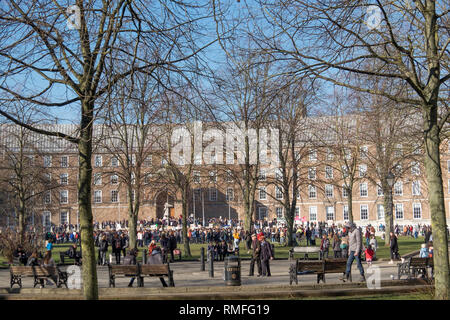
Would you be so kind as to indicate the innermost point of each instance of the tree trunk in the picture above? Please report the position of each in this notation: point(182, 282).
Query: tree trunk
point(436, 202)
point(184, 213)
point(133, 212)
point(350, 202)
point(90, 285)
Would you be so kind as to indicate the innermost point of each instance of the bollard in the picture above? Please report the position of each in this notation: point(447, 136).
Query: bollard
point(144, 256)
point(211, 265)
point(202, 259)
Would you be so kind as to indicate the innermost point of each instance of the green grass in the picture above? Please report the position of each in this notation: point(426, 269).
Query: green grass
point(401, 296)
point(406, 245)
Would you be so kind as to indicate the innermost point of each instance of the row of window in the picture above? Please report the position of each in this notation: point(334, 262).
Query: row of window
point(98, 161)
point(329, 191)
point(363, 212)
point(98, 196)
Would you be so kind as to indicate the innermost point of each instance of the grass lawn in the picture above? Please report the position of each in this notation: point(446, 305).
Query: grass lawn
point(406, 245)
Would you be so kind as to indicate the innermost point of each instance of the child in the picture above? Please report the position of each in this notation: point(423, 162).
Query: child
point(430, 249)
point(423, 251)
point(324, 246)
point(369, 255)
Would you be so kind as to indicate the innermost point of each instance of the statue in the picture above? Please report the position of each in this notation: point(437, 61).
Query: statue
point(166, 210)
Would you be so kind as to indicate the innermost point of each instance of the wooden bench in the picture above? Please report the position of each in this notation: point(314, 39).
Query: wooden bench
point(305, 250)
point(318, 267)
point(156, 270)
point(413, 266)
point(131, 271)
point(38, 273)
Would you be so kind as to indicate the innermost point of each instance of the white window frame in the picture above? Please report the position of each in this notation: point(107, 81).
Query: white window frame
point(278, 193)
point(312, 212)
point(67, 216)
point(328, 172)
point(114, 179)
point(312, 173)
point(398, 188)
point(114, 162)
point(345, 212)
point(47, 161)
point(196, 177)
point(380, 212)
point(361, 212)
point(64, 163)
point(262, 175)
point(279, 212)
point(47, 195)
point(98, 196)
point(262, 193)
point(97, 179)
point(380, 192)
point(312, 155)
point(361, 189)
point(114, 196)
point(414, 206)
point(230, 194)
point(260, 210)
point(64, 195)
point(212, 194)
point(327, 213)
point(416, 189)
point(363, 152)
point(312, 188)
point(399, 205)
point(415, 168)
point(64, 179)
point(46, 214)
point(98, 161)
point(344, 191)
point(362, 168)
point(329, 191)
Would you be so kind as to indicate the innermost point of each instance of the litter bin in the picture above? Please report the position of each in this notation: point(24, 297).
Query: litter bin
point(232, 270)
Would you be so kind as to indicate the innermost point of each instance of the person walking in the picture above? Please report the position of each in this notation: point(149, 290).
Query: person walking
point(324, 247)
point(354, 248)
point(266, 256)
point(393, 245)
point(172, 245)
point(130, 259)
point(256, 256)
point(116, 247)
point(103, 249)
point(48, 262)
point(337, 246)
point(125, 242)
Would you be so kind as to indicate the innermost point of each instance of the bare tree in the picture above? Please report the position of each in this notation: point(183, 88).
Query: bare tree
point(407, 40)
point(73, 55)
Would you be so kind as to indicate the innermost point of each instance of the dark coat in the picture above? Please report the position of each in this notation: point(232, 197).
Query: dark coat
point(116, 245)
point(103, 245)
point(172, 243)
point(256, 248)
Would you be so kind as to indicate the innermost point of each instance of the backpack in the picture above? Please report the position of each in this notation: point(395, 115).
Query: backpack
point(118, 244)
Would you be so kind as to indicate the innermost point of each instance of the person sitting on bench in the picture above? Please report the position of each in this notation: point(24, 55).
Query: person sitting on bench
point(157, 258)
point(72, 253)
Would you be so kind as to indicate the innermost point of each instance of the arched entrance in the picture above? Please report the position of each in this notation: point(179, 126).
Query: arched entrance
point(161, 199)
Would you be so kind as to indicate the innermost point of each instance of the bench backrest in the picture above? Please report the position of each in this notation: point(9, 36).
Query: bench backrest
point(33, 270)
point(154, 269)
point(22, 270)
point(306, 265)
point(306, 249)
point(124, 269)
point(335, 265)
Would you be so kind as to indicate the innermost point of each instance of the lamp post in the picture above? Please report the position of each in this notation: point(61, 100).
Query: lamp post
point(390, 178)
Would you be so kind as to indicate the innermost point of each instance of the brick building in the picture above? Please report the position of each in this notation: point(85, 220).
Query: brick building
point(214, 193)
